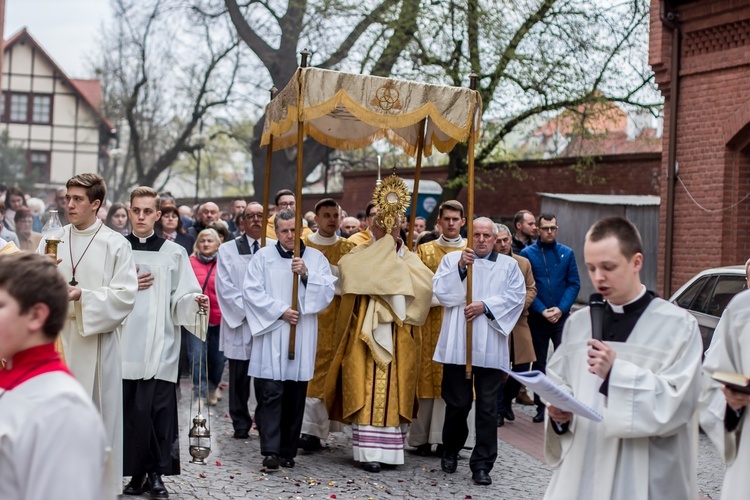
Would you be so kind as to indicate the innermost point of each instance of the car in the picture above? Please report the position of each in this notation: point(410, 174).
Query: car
point(707, 294)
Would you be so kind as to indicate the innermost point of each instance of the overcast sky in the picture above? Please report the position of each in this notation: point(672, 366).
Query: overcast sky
point(67, 29)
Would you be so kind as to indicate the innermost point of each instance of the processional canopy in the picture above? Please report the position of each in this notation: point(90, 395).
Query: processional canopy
point(349, 111)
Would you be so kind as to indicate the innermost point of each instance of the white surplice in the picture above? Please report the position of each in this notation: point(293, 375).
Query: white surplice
point(501, 286)
point(646, 445)
point(52, 442)
point(235, 339)
point(91, 335)
point(267, 294)
point(151, 336)
point(729, 352)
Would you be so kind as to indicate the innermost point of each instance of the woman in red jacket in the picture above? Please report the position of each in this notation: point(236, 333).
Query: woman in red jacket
point(203, 261)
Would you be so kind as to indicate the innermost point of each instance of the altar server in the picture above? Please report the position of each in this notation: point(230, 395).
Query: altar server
point(643, 376)
point(281, 383)
point(52, 441)
point(98, 264)
point(168, 297)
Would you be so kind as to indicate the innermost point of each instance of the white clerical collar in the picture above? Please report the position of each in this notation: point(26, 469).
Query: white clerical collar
point(445, 242)
point(144, 240)
point(319, 239)
point(621, 308)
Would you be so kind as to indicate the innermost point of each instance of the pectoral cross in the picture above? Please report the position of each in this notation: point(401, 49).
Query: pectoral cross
point(73, 281)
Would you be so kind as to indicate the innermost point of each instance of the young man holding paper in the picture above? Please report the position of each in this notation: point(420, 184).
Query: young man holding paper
point(643, 376)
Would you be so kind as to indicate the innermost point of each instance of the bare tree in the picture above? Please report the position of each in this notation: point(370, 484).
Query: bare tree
point(163, 71)
point(534, 58)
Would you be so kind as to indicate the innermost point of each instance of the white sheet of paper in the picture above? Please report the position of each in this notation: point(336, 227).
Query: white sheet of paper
point(551, 393)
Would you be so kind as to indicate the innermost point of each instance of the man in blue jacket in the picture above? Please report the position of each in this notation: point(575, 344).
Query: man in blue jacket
point(557, 283)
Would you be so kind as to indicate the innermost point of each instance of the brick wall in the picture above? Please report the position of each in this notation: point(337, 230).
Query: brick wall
point(713, 118)
point(500, 193)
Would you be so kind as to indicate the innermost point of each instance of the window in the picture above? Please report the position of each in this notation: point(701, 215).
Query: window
point(688, 295)
point(19, 107)
point(726, 288)
point(26, 108)
point(39, 166)
point(41, 111)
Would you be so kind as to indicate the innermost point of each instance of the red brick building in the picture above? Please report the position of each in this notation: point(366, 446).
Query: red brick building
point(700, 53)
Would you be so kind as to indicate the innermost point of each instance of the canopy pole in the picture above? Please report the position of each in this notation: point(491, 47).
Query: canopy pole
point(473, 77)
point(267, 180)
point(305, 54)
point(415, 191)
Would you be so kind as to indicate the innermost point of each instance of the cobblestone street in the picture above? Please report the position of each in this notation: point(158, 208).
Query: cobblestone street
point(234, 468)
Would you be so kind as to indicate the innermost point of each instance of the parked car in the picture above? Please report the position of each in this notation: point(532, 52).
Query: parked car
point(707, 294)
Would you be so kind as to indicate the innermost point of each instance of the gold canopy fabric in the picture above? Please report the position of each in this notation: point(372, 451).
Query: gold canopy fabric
point(349, 111)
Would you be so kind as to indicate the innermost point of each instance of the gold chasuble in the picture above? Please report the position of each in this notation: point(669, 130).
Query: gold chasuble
point(361, 237)
point(328, 341)
point(430, 372)
point(373, 376)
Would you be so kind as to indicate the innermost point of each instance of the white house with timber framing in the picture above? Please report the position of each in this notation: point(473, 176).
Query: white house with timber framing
point(56, 119)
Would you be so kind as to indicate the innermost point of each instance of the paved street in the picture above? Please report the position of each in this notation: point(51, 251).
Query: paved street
point(234, 468)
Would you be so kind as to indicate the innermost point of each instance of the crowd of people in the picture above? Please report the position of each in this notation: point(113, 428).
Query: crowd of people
point(344, 325)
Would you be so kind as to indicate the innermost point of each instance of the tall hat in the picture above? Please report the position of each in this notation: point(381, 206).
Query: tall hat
point(392, 198)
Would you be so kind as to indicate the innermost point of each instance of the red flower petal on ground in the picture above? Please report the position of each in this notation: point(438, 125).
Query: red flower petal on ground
point(203, 476)
point(218, 463)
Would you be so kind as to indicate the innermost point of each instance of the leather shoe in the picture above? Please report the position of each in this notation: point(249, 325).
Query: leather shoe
point(508, 414)
point(287, 463)
point(158, 490)
point(241, 435)
point(523, 398)
point(271, 462)
point(500, 420)
point(309, 443)
point(135, 486)
point(482, 477)
point(539, 417)
point(424, 450)
point(371, 466)
point(449, 462)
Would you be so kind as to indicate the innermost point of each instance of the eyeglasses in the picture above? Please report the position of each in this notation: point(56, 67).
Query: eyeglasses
point(253, 216)
point(549, 229)
point(286, 204)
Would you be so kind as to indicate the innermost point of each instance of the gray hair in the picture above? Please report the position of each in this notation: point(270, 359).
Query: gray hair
point(283, 215)
point(489, 221)
point(502, 227)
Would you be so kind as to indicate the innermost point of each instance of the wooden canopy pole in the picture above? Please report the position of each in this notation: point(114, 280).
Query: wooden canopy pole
point(267, 180)
point(298, 215)
point(470, 227)
point(415, 191)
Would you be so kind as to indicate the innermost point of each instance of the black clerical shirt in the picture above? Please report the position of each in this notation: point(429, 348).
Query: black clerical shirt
point(152, 244)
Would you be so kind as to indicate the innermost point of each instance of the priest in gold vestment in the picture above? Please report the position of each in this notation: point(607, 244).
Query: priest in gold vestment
point(427, 428)
point(315, 424)
point(386, 293)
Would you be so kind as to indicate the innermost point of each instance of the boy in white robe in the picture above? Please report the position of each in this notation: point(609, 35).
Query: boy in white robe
point(498, 296)
point(97, 263)
point(643, 376)
point(167, 295)
point(53, 440)
point(724, 412)
point(235, 338)
point(281, 383)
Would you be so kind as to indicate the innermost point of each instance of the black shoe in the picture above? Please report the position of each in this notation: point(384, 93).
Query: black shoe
point(271, 462)
point(241, 435)
point(287, 463)
point(135, 486)
point(158, 491)
point(309, 443)
point(371, 466)
point(449, 462)
point(500, 420)
point(508, 413)
point(481, 477)
point(424, 450)
point(539, 417)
